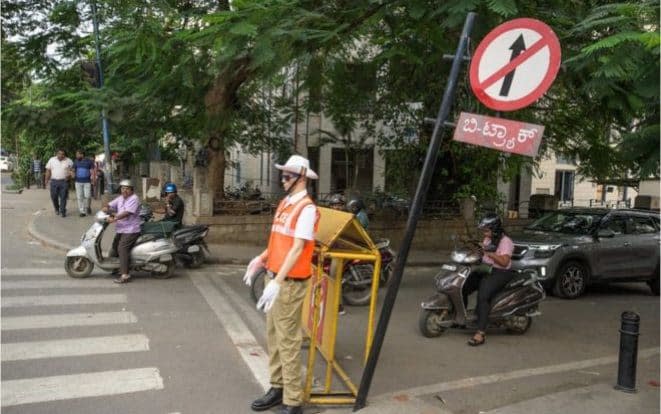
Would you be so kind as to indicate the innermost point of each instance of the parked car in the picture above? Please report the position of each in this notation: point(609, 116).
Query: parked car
point(576, 247)
point(6, 164)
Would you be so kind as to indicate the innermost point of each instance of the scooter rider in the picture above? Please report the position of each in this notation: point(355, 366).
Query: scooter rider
point(357, 208)
point(174, 205)
point(125, 208)
point(498, 248)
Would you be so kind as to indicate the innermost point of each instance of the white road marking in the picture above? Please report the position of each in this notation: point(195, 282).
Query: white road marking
point(14, 301)
point(506, 376)
point(11, 323)
point(33, 271)
point(252, 353)
point(64, 387)
point(58, 283)
point(74, 347)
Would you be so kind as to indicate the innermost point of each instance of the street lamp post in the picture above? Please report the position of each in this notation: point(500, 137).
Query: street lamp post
point(104, 119)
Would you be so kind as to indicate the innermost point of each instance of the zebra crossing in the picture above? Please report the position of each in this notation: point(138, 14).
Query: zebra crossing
point(37, 303)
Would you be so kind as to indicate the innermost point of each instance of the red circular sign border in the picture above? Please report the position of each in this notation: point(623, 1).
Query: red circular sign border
point(554, 64)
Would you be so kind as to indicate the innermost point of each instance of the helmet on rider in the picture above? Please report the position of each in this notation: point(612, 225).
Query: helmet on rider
point(126, 183)
point(492, 222)
point(336, 200)
point(170, 188)
point(355, 205)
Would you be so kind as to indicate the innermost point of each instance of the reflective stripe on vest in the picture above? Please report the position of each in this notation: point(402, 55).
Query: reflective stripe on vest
point(281, 239)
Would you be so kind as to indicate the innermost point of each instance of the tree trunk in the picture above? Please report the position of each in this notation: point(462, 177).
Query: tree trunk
point(220, 101)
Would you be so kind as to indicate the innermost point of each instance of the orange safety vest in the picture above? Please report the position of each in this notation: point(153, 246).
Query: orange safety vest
point(282, 239)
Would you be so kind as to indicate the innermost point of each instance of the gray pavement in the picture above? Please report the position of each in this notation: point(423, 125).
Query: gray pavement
point(64, 233)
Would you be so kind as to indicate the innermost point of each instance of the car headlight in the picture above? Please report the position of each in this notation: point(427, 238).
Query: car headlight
point(545, 250)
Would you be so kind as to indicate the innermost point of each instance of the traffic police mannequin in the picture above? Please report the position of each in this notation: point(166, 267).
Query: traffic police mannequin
point(288, 260)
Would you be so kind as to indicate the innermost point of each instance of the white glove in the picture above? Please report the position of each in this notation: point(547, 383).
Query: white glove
point(255, 265)
point(268, 297)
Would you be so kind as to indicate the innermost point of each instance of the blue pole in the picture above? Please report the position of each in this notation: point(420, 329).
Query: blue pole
point(104, 119)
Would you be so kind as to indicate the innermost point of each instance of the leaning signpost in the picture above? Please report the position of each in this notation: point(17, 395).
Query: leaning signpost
point(512, 67)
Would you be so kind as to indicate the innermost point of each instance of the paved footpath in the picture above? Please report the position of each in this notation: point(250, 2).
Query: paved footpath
point(47, 228)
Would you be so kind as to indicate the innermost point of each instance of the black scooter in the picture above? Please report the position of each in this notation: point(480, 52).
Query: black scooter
point(192, 250)
point(511, 308)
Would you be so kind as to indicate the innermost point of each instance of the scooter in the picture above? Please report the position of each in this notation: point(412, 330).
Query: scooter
point(149, 254)
point(192, 250)
point(512, 308)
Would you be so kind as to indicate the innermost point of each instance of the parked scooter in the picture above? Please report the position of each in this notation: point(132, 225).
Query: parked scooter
point(149, 254)
point(356, 278)
point(192, 250)
point(512, 308)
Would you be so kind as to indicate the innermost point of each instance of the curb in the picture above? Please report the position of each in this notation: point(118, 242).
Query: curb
point(45, 240)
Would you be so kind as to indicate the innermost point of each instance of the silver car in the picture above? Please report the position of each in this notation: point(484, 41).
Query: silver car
point(576, 247)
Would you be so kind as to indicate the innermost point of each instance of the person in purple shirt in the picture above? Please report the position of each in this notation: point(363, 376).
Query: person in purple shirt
point(127, 221)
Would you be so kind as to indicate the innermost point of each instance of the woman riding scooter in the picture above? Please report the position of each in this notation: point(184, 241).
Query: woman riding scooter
point(498, 250)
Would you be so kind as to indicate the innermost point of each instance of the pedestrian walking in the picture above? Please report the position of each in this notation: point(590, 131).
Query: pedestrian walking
point(288, 261)
point(125, 213)
point(58, 171)
point(83, 168)
point(37, 171)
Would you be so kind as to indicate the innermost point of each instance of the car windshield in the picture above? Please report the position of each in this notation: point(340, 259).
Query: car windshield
point(571, 222)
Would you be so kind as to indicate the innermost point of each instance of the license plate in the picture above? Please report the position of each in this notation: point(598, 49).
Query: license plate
point(449, 267)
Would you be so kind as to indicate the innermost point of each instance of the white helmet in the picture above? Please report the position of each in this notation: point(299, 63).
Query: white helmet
point(126, 183)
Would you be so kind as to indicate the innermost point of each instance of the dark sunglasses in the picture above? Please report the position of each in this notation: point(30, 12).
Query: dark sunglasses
point(289, 177)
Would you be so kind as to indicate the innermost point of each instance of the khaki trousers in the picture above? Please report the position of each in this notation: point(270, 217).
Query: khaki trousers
point(283, 332)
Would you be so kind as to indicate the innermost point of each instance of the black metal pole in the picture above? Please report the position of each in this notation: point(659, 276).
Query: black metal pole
point(104, 119)
point(414, 214)
point(626, 370)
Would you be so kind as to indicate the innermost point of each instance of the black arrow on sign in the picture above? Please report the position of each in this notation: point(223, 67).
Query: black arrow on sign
point(517, 47)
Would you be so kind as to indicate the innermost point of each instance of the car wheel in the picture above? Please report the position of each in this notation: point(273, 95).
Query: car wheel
point(653, 283)
point(571, 280)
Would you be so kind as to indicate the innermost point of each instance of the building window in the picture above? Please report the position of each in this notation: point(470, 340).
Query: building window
point(565, 159)
point(564, 185)
point(353, 170)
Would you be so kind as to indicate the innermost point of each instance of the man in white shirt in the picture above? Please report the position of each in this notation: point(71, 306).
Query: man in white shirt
point(58, 172)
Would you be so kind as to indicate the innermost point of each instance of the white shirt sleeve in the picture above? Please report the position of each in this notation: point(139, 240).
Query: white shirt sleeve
point(305, 224)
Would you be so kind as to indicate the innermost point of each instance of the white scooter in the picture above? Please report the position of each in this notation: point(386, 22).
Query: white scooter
point(149, 254)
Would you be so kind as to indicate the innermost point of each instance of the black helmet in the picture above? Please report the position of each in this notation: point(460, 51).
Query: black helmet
point(336, 199)
point(355, 205)
point(492, 222)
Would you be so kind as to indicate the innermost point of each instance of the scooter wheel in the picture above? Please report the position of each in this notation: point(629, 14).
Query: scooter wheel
point(167, 273)
point(196, 260)
point(518, 325)
point(78, 266)
point(429, 322)
point(257, 285)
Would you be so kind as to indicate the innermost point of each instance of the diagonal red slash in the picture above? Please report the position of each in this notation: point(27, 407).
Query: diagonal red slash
point(512, 64)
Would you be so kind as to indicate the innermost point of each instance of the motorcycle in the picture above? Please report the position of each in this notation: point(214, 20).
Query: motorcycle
point(356, 278)
point(149, 254)
point(511, 308)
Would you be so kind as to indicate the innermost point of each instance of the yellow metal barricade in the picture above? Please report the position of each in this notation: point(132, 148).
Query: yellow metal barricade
point(340, 237)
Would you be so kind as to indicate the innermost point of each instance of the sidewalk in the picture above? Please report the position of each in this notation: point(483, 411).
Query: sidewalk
point(65, 233)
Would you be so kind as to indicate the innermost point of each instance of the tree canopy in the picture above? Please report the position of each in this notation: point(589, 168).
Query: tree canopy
point(204, 71)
